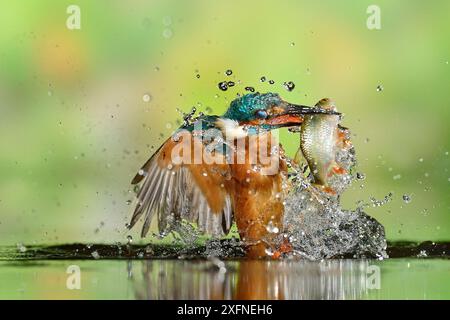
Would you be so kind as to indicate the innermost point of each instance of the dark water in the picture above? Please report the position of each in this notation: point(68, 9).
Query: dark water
point(414, 271)
point(223, 249)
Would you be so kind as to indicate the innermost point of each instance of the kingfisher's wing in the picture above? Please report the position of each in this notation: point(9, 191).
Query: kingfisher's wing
point(175, 185)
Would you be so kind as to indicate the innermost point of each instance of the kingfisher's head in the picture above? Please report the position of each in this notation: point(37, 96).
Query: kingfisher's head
point(265, 111)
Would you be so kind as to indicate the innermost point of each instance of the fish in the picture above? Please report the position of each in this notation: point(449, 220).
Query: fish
point(321, 138)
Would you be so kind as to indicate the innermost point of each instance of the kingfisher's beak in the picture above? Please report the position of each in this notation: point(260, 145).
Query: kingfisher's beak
point(289, 114)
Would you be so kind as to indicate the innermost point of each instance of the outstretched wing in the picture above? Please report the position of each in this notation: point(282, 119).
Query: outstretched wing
point(175, 185)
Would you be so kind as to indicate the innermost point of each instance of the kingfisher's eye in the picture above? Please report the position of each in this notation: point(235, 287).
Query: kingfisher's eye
point(261, 114)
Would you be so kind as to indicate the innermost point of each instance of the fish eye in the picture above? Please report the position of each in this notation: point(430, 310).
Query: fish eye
point(261, 114)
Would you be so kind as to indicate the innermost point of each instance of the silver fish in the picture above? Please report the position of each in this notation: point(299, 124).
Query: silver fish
point(319, 142)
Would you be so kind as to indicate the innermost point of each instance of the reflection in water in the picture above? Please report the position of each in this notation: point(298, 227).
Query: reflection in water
point(178, 279)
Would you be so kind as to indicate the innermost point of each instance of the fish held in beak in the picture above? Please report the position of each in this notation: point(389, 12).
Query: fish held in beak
point(321, 140)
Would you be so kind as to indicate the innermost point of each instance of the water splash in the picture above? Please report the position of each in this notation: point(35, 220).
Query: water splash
point(322, 229)
point(316, 225)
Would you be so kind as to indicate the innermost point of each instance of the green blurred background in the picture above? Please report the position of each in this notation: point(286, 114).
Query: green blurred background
point(74, 126)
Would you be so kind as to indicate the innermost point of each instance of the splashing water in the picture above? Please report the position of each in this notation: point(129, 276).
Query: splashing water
point(317, 226)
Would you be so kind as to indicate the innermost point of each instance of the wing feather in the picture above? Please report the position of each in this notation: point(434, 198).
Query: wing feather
point(177, 192)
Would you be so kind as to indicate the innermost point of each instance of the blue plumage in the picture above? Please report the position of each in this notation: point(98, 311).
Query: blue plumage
point(244, 108)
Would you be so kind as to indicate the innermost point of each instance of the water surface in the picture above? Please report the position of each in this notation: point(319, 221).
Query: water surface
point(41, 273)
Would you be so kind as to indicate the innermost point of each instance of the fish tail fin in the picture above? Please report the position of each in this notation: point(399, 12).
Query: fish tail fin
point(337, 169)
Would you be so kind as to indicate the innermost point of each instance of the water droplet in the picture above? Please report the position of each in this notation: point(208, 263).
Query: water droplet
point(230, 84)
point(229, 72)
point(272, 228)
point(289, 86)
point(197, 76)
point(397, 177)
point(360, 176)
point(251, 89)
point(379, 88)
point(271, 82)
point(128, 202)
point(223, 85)
point(146, 97)
point(420, 159)
point(129, 239)
point(21, 248)
point(379, 203)
point(422, 254)
point(95, 255)
point(406, 198)
point(263, 79)
point(292, 44)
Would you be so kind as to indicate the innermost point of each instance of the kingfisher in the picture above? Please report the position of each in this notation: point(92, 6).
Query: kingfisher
point(217, 170)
